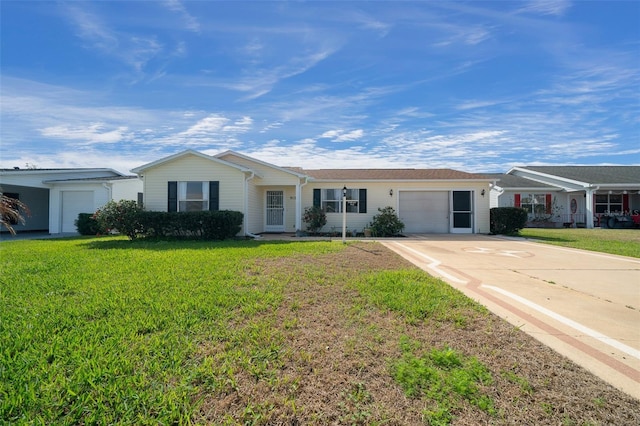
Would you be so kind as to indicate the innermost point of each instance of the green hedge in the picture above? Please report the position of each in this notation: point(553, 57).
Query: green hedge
point(206, 225)
point(88, 225)
point(507, 220)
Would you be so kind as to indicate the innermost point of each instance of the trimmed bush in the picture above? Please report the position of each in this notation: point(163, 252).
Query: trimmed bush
point(88, 225)
point(206, 225)
point(386, 223)
point(507, 220)
point(315, 218)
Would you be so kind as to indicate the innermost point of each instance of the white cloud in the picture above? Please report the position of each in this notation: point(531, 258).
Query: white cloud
point(95, 133)
point(190, 22)
point(546, 7)
point(133, 50)
point(342, 136)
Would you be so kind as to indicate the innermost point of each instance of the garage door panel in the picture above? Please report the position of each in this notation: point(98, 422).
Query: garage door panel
point(424, 211)
point(74, 203)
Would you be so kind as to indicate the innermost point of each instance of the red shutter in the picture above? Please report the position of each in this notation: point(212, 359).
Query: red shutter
point(548, 203)
point(516, 200)
point(625, 202)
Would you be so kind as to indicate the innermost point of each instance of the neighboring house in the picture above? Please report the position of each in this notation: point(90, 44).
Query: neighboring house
point(273, 198)
point(55, 197)
point(570, 195)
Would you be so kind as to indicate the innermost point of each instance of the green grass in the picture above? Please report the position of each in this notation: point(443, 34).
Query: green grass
point(444, 377)
point(105, 330)
point(624, 242)
point(99, 331)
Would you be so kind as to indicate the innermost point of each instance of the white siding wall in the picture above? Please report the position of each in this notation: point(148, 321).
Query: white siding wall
point(378, 197)
point(193, 168)
point(126, 189)
point(255, 209)
point(268, 175)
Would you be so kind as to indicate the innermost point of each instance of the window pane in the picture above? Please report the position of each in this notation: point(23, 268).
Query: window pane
point(462, 220)
point(615, 198)
point(352, 208)
point(601, 208)
point(462, 201)
point(193, 206)
point(602, 198)
point(194, 191)
point(331, 206)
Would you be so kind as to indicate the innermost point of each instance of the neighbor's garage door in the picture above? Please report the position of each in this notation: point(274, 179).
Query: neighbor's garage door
point(424, 211)
point(73, 203)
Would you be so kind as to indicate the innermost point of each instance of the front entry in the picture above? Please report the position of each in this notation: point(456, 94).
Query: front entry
point(462, 212)
point(275, 212)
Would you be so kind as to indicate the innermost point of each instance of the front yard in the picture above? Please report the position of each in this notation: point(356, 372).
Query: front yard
point(104, 330)
point(624, 242)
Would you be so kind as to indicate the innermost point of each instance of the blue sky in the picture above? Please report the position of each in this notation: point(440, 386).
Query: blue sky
point(475, 86)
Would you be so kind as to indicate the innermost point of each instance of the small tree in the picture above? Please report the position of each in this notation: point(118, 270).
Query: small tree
point(123, 216)
point(12, 212)
point(315, 218)
point(386, 223)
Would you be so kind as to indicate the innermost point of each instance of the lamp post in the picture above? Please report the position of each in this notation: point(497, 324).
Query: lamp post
point(344, 214)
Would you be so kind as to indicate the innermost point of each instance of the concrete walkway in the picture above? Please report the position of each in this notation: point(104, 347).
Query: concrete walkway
point(585, 305)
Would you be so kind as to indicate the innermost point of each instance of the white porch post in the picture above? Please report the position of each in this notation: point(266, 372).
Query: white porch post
point(298, 207)
point(588, 208)
point(344, 214)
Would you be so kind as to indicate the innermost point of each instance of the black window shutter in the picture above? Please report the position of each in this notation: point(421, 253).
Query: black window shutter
point(317, 200)
point(172, 201)
point(362, 202)
point(214, 195)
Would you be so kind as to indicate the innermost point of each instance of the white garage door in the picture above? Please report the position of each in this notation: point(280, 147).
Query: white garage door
point(74, 203)
point(424, 211)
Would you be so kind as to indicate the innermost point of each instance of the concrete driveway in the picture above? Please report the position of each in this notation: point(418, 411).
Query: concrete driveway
point(583, 304)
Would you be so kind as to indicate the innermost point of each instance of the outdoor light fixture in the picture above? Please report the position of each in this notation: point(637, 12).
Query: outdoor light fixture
point(482, 192)
point(391, 193)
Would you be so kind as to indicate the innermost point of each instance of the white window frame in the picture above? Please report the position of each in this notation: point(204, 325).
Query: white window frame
point(183, 196)
point(619, 206)
point(353, 200)
point(534, 204)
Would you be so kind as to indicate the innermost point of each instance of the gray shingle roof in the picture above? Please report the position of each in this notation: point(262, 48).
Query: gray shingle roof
point(392, 174)
point(513, 181)
point(593, 174)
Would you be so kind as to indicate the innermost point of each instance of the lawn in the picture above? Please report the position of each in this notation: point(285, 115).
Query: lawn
point(624, 242)
point(108, 331)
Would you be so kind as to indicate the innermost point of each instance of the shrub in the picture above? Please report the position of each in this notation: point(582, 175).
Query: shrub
point(123, 216)
point(507, 220)
point(206, 225)
point(88, 225)
point(386, 223)
point(315, 218)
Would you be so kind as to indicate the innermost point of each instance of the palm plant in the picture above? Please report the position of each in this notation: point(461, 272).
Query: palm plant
point(12, 212)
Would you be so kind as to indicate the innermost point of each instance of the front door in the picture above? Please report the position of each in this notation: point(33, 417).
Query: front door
point(462, 212)
point(275, 211)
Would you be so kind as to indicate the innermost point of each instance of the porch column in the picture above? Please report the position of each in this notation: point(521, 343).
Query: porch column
point(298, 207)
point(588, 208)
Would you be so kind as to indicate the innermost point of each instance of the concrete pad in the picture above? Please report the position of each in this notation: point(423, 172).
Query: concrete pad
point(583, 304)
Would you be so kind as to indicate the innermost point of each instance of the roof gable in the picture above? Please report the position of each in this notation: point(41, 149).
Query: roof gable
point(185, 153)
point(229, 156)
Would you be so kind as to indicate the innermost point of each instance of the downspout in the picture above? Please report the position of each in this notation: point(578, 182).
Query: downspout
point(299, 203)
point(245, 220)
point(109, 189)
